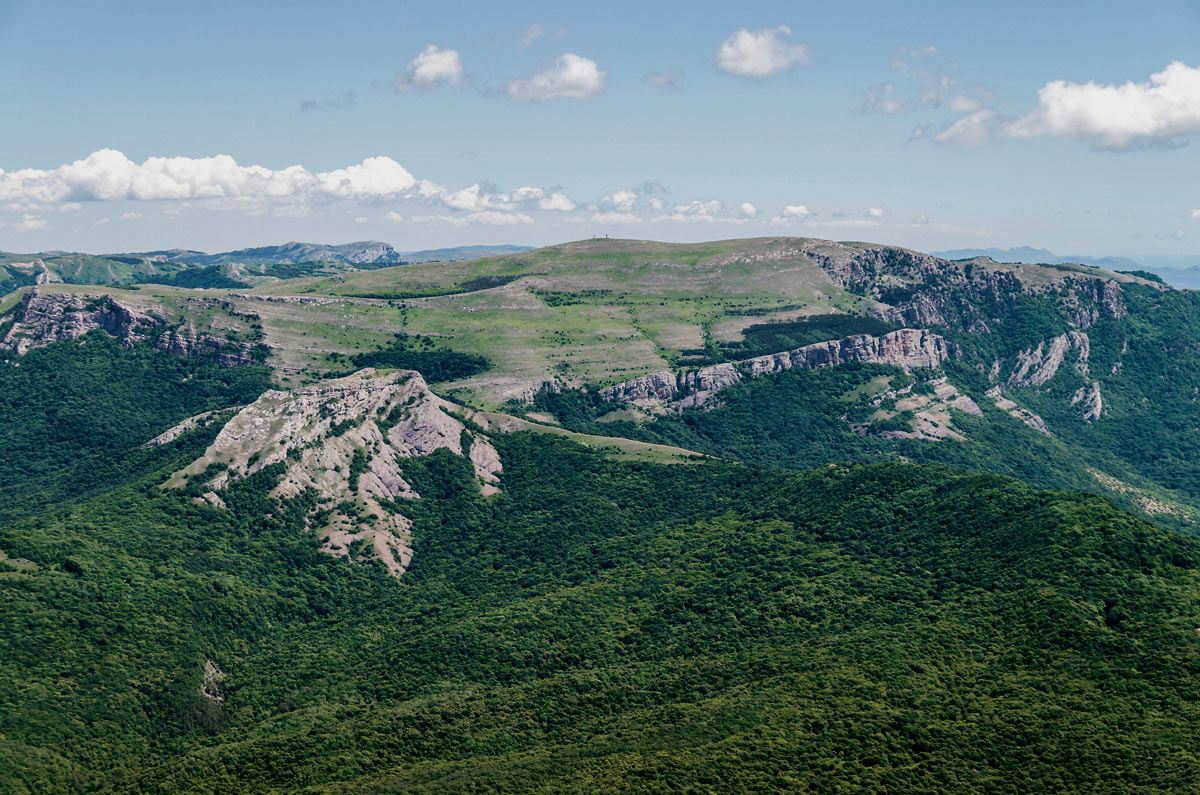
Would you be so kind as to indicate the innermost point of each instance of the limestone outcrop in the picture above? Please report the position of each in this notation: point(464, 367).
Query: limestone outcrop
point(345, 440)
point(190, 424)
point(906, 348)
point(1092, 402)
point(1023, 414)
point(44, 318)
point(1036, 366)
point(655, 387)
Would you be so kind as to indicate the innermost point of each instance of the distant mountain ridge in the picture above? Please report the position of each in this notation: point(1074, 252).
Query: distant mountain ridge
point(1038, 256)
point(459, 253)
point(363, 252)
point(191, 268)
point(1183, 278)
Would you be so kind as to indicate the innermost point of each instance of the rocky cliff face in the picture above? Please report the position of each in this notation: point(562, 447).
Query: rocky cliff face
point(656, 387)
point(906, 348)
point(43, 318)
point(345, 440)
point(1092, 403)
point(1036, 366)
point(916, 289)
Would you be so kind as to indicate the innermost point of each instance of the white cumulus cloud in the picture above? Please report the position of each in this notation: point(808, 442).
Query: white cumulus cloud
point(373, 177)
point(1115, 117)
point(221, 182)
point(559, 202)
point(31, 223)
point(791, 214)
point(621, 200)
point(572, 76)
point(748, 209)
point(760, 53)
point(697, 211)
point(1195, 214)
point(432, 67)
point(876, 212)
point(108, 175)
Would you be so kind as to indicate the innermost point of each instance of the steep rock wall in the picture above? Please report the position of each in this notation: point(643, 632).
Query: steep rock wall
point(906, 348)
point(44, 318)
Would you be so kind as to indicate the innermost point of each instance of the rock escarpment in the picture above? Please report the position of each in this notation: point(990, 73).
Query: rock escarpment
point(916, 289)
point(1023, 414)
point(906, 348)
point(1092, 403)
point(44, 318)
point(344, 440)
point(1037, 365)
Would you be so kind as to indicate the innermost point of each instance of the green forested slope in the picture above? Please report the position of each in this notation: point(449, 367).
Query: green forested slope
point(85, 404)
point(599, 626)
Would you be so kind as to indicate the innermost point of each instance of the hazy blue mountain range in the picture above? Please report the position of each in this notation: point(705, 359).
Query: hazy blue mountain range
point(459, 253)
point(365, 252)
point(243, 267)
point(1038, 256)
point(1183, 278)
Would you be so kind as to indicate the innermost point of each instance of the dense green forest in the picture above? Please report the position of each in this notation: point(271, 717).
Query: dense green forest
point(82, 404)
point(1146, 363)
point(798, 420)
point(435, 364)
point(599, 625)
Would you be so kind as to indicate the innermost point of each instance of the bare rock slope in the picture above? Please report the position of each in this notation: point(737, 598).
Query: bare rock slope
point(345, 440)
point(44, 318)
point(906, 348)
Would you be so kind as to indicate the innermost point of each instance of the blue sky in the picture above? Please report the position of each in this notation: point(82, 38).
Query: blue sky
point(430, 124)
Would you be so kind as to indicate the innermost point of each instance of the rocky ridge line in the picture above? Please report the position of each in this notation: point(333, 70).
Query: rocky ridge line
point(345, 440)
point(42, 319)
point(906, 348)
point(1037, 365)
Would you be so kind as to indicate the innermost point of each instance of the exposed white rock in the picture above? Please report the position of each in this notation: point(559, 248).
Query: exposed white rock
point(906, 348)
point(345, 439)
point(1024, 415)
point(932, 419)
point(1038, 365)
point(211, 686)
point(952, 397)
point(191, 423)
point(1093, 403)
point(44, 318)
point(654, 388)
